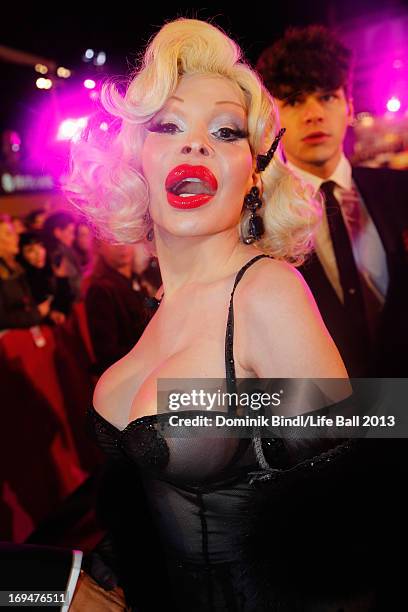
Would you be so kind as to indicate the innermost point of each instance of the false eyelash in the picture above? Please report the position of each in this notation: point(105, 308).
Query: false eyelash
point(238, 133)
point(158, 127)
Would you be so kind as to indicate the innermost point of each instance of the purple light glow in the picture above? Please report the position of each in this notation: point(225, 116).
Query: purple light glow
point(380, 48)
point(89, 84)
point(58, 120)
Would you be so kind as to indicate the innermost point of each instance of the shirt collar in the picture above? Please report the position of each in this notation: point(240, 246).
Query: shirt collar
point(341, 175)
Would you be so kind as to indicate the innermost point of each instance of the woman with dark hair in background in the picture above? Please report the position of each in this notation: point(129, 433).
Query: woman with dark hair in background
point(59, 234)
point(44, 282)
point(83, 246)
point(17, 305)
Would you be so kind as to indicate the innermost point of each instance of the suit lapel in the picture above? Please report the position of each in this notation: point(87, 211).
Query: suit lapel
point(376, 200)
point(318, 280)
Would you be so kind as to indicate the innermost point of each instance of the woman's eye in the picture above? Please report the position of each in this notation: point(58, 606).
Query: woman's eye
point(229, 134)
point(328, 97)
point(163, 128)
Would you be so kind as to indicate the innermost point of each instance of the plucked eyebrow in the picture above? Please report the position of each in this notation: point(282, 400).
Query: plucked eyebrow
point(219, 102)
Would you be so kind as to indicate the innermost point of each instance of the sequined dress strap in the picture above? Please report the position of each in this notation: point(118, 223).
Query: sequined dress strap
point(229, 336)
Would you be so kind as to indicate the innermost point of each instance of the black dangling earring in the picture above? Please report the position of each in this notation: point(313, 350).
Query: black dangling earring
point(262, 161)
point(253, 202)
point(150, 235)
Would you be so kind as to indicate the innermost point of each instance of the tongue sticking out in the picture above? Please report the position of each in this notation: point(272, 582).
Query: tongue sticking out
point(192, 186)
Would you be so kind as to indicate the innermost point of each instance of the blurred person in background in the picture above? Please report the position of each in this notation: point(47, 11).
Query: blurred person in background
point(44, 282)
point(115, 304)
point(17, 305)
point(83, 246)
point(35, 219)
point(147, 267)
point(18, 225)
point(59, 235)
point(359, 271)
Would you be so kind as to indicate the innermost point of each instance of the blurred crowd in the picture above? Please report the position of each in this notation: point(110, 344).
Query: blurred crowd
point(51, 260)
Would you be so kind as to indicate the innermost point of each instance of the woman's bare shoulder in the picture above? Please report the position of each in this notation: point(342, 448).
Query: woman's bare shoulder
point(274, 291)
point(270, 280)
point(287, 333)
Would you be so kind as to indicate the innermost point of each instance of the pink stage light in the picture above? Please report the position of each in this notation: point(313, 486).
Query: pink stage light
point(393, 104)
point(59, 120)
point(397, 64)
point(89, 84)
point(70, 129)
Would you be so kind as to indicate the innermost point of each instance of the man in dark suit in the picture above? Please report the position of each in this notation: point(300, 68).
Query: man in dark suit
point(358, 273)
point(115, 305)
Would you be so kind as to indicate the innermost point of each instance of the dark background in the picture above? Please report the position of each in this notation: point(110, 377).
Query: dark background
point(63, 34)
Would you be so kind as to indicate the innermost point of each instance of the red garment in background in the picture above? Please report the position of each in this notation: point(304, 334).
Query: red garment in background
point(44, 392)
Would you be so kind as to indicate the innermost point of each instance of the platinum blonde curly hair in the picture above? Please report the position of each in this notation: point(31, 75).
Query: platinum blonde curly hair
point(106, 181)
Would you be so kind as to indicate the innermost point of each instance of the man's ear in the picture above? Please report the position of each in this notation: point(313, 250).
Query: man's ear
point(350, 106)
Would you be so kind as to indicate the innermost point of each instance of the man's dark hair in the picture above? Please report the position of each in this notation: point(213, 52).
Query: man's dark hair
point(305, 60)
point(29, 238)
point(58, 220)
point(33, 214)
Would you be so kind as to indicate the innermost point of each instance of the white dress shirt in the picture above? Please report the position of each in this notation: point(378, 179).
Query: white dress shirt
point(366, 244)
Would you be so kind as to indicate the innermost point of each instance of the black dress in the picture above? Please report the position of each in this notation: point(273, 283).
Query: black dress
point(222, 525)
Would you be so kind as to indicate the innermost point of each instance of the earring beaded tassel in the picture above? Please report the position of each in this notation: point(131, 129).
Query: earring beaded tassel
point(252, 202)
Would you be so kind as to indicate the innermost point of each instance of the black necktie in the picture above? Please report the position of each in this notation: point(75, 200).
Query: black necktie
point(348, 271)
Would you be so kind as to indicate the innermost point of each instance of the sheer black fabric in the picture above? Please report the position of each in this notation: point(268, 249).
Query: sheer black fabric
point(233, 524)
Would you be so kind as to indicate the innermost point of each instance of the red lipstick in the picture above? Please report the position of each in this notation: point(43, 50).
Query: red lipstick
point(197, 183)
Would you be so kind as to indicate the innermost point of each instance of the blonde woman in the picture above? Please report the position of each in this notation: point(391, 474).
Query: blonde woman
point(183, 170)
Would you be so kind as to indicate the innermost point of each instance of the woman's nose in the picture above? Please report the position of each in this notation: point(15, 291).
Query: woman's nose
point(197, 144)
point(200, 149)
